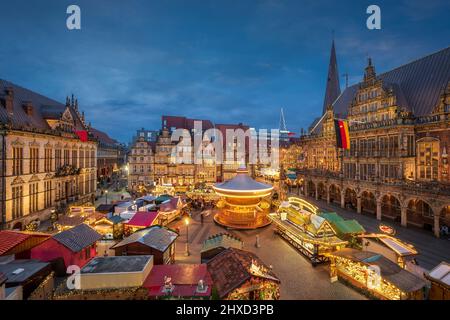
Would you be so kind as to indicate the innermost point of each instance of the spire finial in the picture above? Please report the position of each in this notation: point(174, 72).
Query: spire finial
point(333, 89)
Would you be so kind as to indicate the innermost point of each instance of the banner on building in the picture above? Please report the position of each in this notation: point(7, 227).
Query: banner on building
point(342, 134)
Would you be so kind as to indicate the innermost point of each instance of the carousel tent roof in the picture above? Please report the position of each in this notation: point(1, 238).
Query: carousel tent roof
point(242, 182)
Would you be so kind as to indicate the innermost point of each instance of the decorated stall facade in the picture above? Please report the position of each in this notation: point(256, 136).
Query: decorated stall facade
point(297, 222)
point(375, 275)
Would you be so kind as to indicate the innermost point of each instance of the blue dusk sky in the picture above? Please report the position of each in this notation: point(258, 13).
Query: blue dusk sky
point(228, 61)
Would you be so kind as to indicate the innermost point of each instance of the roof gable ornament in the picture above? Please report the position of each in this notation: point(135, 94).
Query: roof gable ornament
point(369, 73)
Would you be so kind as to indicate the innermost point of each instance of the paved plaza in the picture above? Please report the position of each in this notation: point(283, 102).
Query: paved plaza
point(432, 250)
point(299, 279)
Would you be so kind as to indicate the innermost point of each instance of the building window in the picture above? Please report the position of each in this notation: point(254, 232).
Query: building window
point(66, 157)
point(17, 202)
point(47, 160)
point(428, 159)
point(48, 193)
point(81, 158)
point(34, 160)
point(17, 161)
point(33, 197)
point(92, 158)
point(410, 146)
point(58, 159)
point(74, 158)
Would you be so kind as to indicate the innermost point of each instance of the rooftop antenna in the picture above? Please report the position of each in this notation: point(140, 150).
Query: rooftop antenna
point(283, 130)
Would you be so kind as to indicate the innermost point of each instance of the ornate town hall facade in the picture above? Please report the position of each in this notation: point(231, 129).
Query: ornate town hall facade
point(44, 164)
point(397, 167)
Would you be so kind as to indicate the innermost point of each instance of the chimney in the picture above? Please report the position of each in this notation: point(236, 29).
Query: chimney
point(9, 100)
point(28, 108)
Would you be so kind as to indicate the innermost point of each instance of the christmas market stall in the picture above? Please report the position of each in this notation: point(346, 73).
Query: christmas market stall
point(19, 243)
point(345, 229)
point(75, 246)
point(31, 277)
point(375, 275)
point(440, 282)
point(155, 240)
point(110, 278)
point(244, 202)
point(141, 220)
point(110, 228)
point(308, 232)
point(217, 243)
point(392, 248)
point(179, 281)
point(241, 275)
point(171, 209)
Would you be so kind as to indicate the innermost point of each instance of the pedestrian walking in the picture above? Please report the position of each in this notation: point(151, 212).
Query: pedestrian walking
point(257, 244)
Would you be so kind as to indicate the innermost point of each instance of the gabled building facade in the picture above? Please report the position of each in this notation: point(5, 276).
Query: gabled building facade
point(397, 165)
point(44, 164)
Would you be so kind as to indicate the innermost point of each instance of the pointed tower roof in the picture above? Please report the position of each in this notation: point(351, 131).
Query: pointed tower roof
point(333, 89)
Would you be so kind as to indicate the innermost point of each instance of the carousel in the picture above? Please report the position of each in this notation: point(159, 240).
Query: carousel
point(244, 203)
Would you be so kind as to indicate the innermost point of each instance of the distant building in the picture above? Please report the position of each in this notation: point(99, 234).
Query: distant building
point(45, 164)
point(147, 135)
point(141, 171)
point(110, 156)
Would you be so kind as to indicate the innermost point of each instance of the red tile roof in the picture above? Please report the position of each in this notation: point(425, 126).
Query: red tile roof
point(143, 219)
point(11, 239)
point(184, 278)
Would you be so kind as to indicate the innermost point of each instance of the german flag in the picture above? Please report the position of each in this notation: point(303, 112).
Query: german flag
point(342, 135)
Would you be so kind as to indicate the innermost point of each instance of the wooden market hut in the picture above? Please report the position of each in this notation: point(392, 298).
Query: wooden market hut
point(241, 275)
point(109, 226)
point(20, 243)
point(141, 220)
point(375, 275)
point(76, 246)
point(217, 243)
point(440, 282)
point(155, 240)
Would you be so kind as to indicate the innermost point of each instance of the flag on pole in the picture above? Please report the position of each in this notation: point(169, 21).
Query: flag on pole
point(342, 135)
point(83, 135)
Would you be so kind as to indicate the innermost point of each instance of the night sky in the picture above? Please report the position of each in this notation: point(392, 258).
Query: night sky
point(228, 61)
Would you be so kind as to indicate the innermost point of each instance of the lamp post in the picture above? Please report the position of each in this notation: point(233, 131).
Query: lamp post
point(106, 196)
point(186, 221)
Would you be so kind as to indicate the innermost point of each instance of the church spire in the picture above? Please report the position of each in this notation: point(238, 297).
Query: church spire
point(333, 89)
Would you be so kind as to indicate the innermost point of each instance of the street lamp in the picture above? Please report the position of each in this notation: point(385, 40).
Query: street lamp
point(186, 221)
point(106, 196)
